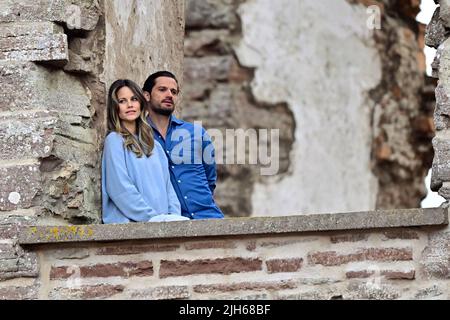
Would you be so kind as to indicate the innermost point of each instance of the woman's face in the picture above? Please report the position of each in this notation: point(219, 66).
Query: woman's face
point(129, 105)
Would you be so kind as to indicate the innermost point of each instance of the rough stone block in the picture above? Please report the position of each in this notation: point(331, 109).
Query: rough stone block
point(136, 249)
point(441, 166)
point(435, 31)
point(10, 226)
point(331, 258)
point(101, 291)
point(258, 286)
point(18, 186)
point(26, 137)
point(120, 269)
point(351, 237)
point(45, 48)
point(76, 14)
point(210, 245)
point(445, 12)
point(215, 14)
point(442, 110)
point(436, 256)
point(27, 86)
point(207, 69)
point(19, 293)
point(21, 29)
point(205, 42)
point(161, 293)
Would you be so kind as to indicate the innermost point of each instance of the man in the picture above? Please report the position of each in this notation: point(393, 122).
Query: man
point(188, 148)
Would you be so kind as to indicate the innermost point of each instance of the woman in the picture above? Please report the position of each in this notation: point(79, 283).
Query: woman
point(136, 184)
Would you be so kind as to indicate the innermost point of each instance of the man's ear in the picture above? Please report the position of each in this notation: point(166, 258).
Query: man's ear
point(147, 96)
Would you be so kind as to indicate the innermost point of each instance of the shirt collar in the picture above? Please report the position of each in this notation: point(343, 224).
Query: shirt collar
point(173, 120)
point(176, 121)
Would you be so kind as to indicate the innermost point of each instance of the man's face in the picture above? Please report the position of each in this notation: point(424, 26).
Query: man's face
point(164, 96)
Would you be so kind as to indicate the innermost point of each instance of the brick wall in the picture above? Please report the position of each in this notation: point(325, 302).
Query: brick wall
point(215, 260)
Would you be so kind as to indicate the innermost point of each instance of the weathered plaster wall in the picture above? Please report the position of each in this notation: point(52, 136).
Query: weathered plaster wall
point(323, 70)
point(146, 35)
point(350, 102)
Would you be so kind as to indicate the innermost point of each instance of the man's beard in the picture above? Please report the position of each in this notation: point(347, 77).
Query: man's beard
point(162, 111)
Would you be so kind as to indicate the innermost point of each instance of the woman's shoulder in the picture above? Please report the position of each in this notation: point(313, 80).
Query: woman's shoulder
point(114, 138)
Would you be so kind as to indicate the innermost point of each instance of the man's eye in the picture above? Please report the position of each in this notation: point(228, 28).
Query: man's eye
point(134, 99)
point(174, 92)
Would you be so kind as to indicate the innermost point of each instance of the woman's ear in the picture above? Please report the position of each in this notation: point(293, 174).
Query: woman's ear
point(147, 96)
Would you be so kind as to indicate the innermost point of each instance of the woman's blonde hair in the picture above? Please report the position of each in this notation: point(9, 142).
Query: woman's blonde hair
point(143, 142)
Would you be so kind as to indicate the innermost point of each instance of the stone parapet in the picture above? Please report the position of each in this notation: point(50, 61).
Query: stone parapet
point(236, 227)
point(400, 254)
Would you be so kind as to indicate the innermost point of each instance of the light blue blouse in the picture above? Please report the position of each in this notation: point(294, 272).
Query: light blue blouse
point(136, 189)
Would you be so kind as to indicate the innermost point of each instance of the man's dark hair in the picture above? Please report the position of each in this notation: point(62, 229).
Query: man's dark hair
point(150, 82)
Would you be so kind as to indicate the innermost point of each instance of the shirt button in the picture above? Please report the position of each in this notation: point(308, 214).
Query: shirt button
point(185, 198)
point(179, 181)
point(167, 151)
point(173, 167)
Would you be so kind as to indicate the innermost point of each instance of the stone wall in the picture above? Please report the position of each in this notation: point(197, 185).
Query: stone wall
point(367, 255)
point(437, 36)
point(352, 104)
point(57, 60)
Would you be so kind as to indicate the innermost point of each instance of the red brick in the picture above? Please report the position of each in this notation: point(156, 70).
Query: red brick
point(331, 258)
point(388, 254)
point(258, 286)
point(349, 238)
point(210, 245)
point(401, 234)
point(284, 265)
point(399, 275)
point(135, 249)
point(208, 266)
point(122, 269)
point(87, 292)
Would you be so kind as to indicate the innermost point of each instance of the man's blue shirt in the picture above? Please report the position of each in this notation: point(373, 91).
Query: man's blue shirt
point(192, 167)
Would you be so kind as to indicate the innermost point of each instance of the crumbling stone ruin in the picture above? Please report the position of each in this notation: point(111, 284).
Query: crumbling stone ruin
point(353, 105)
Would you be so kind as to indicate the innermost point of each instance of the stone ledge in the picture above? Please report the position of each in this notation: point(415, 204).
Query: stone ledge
point(235, 226)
